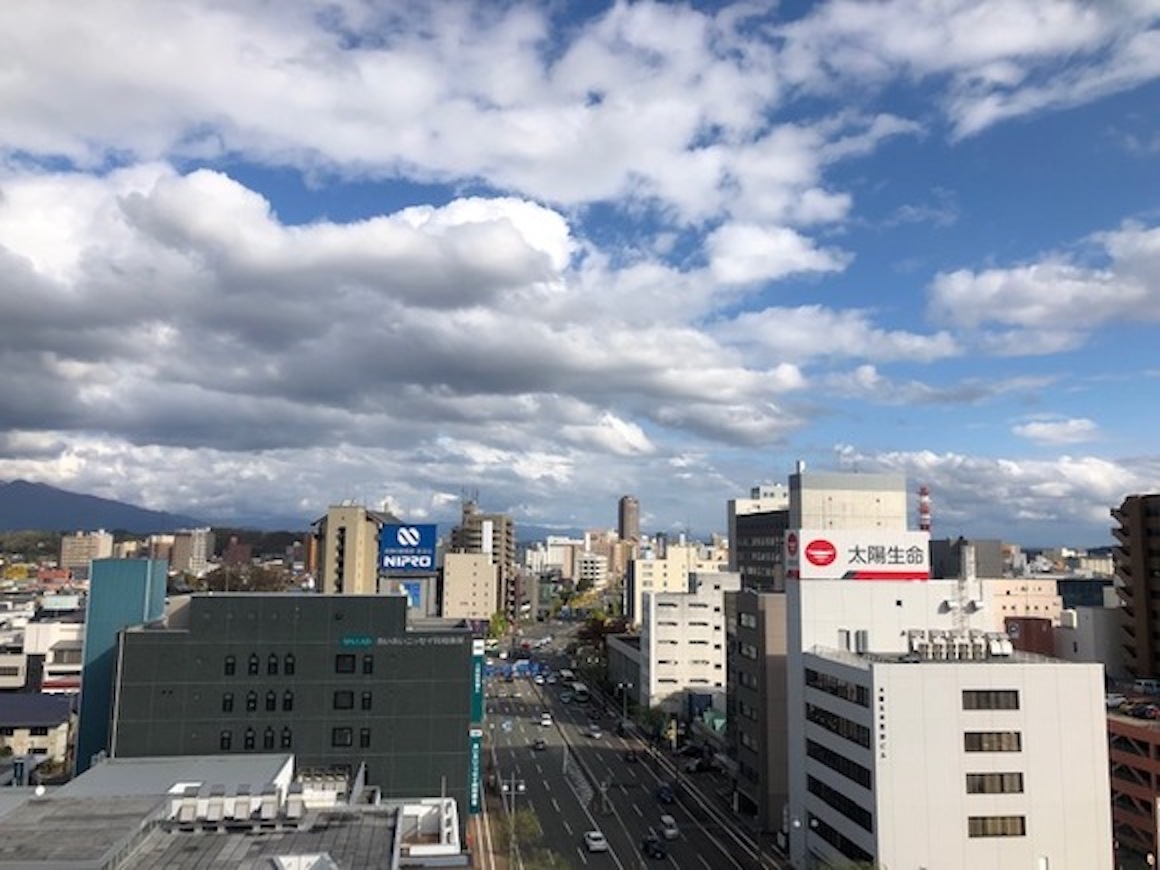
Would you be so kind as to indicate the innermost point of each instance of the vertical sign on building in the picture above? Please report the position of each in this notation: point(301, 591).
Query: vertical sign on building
point(477, 680)
point(475, 772)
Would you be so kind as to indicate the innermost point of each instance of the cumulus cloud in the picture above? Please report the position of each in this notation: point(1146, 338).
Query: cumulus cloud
point(1075, 430)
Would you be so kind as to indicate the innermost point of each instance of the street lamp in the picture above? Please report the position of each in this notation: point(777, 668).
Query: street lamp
point(624, 687)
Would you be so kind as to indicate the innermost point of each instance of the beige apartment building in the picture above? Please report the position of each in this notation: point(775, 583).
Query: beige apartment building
point(471, 588)
point(78, 550)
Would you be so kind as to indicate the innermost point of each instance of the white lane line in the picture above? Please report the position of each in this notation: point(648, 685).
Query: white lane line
point(638, 812)
point(708, 866)
point(556, 807)
point(546, 786)
point(580, 852)
point(567, 827)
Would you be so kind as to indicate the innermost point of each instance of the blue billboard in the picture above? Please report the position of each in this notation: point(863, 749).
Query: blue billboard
point(407, 549)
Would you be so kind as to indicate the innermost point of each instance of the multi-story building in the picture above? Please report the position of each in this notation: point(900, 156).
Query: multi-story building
point(667, 569)
point(757, 528)
point(837, 500)
point(1137, 560)
point(628, 518)
point(38, 725)
point(682, 644)
point(348, 546)
point(756, 707)
point(592, 570)
point(947, 554)
point(891, 691)
point(1007, 597)
point(78, 550)
point(122, 593)
point(1134, 755)
point(494, 535)
point(470, 586)
point(339, 680)
point(192, 550)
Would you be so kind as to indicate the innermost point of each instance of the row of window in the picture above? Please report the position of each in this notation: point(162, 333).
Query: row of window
point(993, 741)
point(838, 840)
point(34, 731)
point(997, 826)
point(250, 739)
point(839, 763)
point(344, 663)
point(833, 798)
point(747, 620)
point(252, 702)
point(994, 783)
point(839, 688)
point(254, 665)
point(990, 699)
point(839, 725)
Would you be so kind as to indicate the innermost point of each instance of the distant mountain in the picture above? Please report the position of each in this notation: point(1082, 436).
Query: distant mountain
point(37, 506)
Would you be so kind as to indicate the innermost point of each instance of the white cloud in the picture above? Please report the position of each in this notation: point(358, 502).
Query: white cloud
point(746, 254)
point(814, 332)
point(1075, 430)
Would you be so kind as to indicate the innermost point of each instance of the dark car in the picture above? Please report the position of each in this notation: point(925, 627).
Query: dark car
point(654, 847)
point(631, 756)
point(539, 743)
point(665, 794)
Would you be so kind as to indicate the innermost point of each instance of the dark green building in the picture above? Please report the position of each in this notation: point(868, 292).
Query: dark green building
point(338, 680)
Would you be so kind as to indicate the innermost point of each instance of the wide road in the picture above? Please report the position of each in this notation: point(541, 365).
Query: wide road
point(579, 782)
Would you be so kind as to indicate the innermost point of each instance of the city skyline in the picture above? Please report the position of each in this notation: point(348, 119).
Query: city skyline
point(260, 261)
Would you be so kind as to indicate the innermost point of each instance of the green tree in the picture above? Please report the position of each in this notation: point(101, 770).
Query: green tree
point(497, 626)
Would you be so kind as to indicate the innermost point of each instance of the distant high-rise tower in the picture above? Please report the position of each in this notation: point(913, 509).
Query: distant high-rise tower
point(348, 544)
point(495, 536)
point(628, 520)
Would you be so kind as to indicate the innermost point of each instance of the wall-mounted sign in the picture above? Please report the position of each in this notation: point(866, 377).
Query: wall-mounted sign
point(856, 554)
point(407, 549)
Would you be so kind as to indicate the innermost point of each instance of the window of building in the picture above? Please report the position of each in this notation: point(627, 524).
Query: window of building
point(838, 840)
point(251, 702)
point(38, 731)
point(368, 664)
point(288, 664)
point(830, 796)
point(748, 650)
point(997, 826)
point(7, 731)
point(364, 738)
point(344, 700)
point(248, 740)
point(287, 738)
point(271, 702)
point(231, 666)
point(835, 724)
point(993, 741)
point(228, 702)
point(994, 783)
point(344, 663)
point(287, 701)
point(252, 667)
point(342, 737)
point(224, 740)
point(837, 687)
point(839, 763)
point(272, 665)
point(366, 700)
point(268, 738)
point(990, 699)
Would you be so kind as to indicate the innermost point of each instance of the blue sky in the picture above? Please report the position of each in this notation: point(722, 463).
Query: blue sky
point(260, 258)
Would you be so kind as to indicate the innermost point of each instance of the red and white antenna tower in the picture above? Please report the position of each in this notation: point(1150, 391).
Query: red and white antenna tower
point(923, 509)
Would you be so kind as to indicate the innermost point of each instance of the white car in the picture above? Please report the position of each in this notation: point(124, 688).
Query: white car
point(594, 841)
point(546, 720)
point(669, 828)
point(538, 679)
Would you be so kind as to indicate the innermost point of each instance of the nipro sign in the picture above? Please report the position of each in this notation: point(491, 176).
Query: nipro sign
point(407, 549)
point(855, 554)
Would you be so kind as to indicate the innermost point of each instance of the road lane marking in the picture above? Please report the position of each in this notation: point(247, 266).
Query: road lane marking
point(567, 827)
point(555, 805)
point(638, 812)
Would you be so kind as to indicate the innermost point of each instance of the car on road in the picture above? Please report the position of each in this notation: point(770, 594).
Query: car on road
point(546, 719)
point(698, 765)
point(539, 743)
point(630, 755)
point(669, 829)
point(566, 697)
point(551, 679)
point(538, 679)
point(666, 794)
point(654, 846)
point(594, 841)
point(594, 731)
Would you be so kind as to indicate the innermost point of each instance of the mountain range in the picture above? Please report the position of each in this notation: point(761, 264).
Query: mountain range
point(37, 506)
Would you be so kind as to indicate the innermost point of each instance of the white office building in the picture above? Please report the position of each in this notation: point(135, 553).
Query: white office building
point(917, 739)
point(668, 573)
point(682, 643)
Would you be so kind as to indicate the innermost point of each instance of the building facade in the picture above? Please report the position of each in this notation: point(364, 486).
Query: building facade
point(667, 569)
point(756, 706)
point(682, 643)
point(337, 679)
point(1137, 561)
point(494, 535)
point(470, 586)
point(348, 550)
point(628, 518)
point(78, 550)
point(122, 593)
point(836, 500)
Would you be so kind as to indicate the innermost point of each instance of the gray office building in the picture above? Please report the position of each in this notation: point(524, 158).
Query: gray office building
point(338, 680)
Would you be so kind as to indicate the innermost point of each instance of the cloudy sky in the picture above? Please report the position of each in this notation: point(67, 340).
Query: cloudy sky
point(257, 258)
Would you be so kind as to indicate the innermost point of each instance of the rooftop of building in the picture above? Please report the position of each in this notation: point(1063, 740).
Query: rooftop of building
point(30, 710)
point(866, 660)
point(134, 777)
